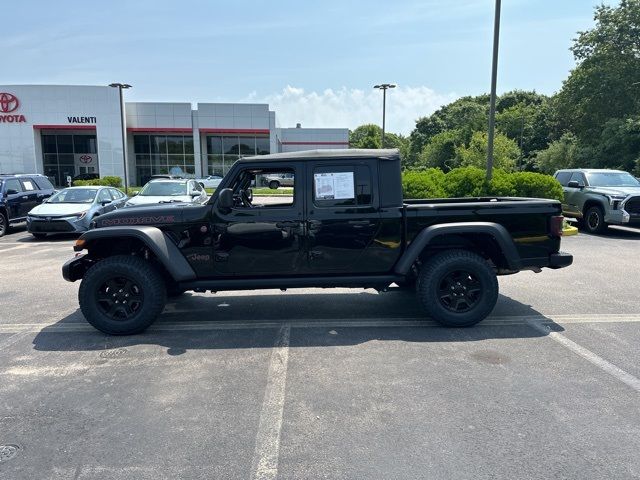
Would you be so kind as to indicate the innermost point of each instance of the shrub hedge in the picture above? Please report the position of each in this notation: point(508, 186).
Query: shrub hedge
point(104, 181)
point(470, 182)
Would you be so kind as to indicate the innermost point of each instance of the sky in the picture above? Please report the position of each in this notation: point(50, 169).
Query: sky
point(312, 62)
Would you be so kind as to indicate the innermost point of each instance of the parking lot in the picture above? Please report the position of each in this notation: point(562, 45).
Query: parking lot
point(316, 383)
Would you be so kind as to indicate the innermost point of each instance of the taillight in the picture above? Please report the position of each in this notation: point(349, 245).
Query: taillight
point(556, 226)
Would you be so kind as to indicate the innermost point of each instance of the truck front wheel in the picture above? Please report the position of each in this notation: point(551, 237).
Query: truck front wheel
point(122, 295)
point(457, 288)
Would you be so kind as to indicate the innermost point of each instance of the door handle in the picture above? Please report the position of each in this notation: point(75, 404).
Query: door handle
point(361, 223)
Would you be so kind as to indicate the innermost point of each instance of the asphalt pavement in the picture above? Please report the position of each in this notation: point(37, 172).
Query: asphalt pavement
point(313, 383)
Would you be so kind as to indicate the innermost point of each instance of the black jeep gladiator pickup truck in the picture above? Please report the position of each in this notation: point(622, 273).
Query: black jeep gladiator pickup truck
point(344, 225)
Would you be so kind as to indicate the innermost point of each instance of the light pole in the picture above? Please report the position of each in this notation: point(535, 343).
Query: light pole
point(384, 87)
point(120, 86)
point(494, 82)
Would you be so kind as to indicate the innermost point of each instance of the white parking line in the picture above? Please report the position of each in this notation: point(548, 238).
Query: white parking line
point(265, 457)
point(598, 361)
point(18, 247)
point(16, 337)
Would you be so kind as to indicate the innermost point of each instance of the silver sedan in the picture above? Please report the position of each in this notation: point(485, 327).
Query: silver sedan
point(73, 209)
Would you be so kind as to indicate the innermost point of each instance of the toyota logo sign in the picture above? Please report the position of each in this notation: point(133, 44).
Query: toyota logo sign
point(86, 159)
point(8, 102)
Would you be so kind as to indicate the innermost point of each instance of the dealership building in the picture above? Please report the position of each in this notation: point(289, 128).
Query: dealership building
point(63, 131)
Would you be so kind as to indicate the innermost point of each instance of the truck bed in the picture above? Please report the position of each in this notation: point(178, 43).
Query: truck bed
point(526, 219)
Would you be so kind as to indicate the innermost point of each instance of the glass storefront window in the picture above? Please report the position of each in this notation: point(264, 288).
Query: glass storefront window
point(141, 144)
point(58, 154)
point(230, 146)
point(188, 145)
point(49, 144)
point(263, 145)
point(65, 143)
point(84, 144)
point(247, 146)
point(175, 145)
point(171, 154)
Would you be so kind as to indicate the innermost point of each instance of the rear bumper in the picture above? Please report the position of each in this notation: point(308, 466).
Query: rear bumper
point(560, 260)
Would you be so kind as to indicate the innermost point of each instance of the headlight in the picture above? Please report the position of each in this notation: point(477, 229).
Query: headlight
point(80, 215)
point(615, 200)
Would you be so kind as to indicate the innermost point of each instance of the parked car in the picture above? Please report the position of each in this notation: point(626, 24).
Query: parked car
point(73, 209)
point(598, 198)
point(19, 194)
point(277, 181)
point(353, 229)
point(169, 191)
point(212, 181)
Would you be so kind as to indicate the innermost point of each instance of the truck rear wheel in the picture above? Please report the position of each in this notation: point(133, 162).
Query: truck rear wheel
point(274, 184)
point(457, 288)
point(122, 295)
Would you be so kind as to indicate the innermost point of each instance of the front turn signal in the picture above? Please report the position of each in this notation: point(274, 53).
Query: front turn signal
point(79, 245)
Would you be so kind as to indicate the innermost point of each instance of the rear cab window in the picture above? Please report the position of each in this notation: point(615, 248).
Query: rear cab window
point(563, 178)
point(342, 186)
point(43, 183)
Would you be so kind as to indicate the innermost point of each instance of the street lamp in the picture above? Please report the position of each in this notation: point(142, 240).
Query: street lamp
point(120, 86)
point(494, 81)
point(384, 87)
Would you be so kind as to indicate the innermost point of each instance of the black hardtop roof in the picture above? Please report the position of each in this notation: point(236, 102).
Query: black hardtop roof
point(382, 154)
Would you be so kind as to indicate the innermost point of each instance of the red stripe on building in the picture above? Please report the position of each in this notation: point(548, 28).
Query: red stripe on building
point(255, 131)
point(65, 127)
point(159, 129)
point(314, 143)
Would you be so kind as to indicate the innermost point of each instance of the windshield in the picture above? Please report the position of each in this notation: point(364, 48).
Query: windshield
point(74, 195)
point(612, 179)
point(164, 189)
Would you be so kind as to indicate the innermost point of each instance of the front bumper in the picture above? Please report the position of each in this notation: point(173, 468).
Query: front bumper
point(57, 224)
point(560, 260)
point(74, 268)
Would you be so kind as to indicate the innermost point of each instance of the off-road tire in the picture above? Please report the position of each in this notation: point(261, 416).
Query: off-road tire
point(474, 273)
point(594, 220)
point(4, 224)
point(142, 274)
point(274, 184)
point(39, 236)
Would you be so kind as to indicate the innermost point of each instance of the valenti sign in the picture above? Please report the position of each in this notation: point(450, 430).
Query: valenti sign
point(9, 103)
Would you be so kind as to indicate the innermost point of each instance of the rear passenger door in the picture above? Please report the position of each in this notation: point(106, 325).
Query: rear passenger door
point(16, 198)
point(573, 196)
point(343, 216)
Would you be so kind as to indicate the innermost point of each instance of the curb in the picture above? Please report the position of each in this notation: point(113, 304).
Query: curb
point(569, 231)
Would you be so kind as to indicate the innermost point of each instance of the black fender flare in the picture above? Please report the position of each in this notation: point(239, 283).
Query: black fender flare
point(495, 230)
point(160, 244)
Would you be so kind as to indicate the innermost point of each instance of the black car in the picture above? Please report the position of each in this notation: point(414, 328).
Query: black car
point(19, 194)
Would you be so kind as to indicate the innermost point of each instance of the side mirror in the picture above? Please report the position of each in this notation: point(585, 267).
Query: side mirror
point(105, 202)
point(249, 192)
point(12, 191)
point(574, 184)
point(135, 192)
point(225, 199)
point(195, 194)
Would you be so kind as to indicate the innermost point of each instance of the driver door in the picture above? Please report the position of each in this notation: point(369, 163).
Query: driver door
point(262, 236)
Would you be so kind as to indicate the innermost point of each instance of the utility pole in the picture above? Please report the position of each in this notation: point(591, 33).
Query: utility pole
point(494, 82)
point(120, 86)
point(384, 87)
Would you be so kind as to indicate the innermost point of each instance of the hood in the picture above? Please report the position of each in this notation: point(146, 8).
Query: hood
point(156, 215)
point(615, 190)
point(147, 199)
point(60, 209)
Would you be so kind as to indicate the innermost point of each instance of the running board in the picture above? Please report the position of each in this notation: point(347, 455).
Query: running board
point(368, 281)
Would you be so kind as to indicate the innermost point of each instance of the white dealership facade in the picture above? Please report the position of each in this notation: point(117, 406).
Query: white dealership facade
point(63, 131)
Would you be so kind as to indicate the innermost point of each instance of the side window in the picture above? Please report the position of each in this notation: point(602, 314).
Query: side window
point(115, 194)
point(342, 186)
point(104, 196)
point(13, 184)
point(577, 177)
point(563, 178)
point(272, 188)
point(43, 183)
point(28, 185)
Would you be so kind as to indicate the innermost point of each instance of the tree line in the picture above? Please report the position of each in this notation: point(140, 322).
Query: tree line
point(592, 122)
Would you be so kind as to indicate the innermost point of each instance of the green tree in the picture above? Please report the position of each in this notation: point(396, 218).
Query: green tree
point(440, 152)
point(527, 124)
point(506, 152)
point(366, 136)
point(560, 154)
point(601, 87)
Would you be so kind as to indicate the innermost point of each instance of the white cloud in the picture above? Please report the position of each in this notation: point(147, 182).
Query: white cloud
point(352, 107)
